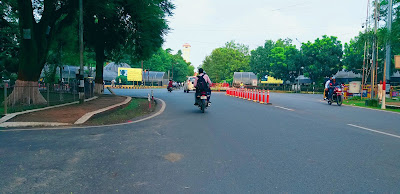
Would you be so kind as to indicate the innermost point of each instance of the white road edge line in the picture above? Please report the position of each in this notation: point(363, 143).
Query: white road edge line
point(375, 131)
point(284, 108)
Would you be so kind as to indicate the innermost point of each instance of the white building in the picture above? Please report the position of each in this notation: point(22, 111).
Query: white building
point(186, 52)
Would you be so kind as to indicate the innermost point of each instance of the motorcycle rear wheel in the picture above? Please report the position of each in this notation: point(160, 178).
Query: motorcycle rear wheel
point(203, 105)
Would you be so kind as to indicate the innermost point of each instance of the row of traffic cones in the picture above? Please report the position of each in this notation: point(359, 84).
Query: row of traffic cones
point(254, 95)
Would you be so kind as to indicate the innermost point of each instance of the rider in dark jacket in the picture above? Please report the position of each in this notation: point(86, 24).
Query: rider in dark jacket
point(332, 86)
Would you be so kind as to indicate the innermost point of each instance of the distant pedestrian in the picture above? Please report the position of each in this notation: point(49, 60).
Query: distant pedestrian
point(113, 83)
point(380, 91)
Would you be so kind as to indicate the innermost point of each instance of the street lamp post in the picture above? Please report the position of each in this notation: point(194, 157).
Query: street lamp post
point(298, 80)
point(81, 72)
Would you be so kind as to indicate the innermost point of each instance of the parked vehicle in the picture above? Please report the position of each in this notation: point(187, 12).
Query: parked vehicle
point(337, 95)
point(189, 85)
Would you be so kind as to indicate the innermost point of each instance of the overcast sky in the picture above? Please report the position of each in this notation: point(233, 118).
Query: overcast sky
point(209, 24)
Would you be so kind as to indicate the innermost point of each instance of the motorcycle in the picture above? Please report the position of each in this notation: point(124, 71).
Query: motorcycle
point(169, 89)
point(202, 101)
point(337, 96)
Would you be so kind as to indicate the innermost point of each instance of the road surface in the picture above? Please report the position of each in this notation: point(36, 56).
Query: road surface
point(298, 144)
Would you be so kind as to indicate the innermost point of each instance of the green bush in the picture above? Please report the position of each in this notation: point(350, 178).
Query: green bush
point(372, 102)
point(124, 79)
point(355, 98)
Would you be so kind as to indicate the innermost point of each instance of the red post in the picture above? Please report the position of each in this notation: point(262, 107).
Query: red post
point(259, 95)
point(268, 97)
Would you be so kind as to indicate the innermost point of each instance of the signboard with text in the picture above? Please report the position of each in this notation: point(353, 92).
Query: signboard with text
point(132, 74)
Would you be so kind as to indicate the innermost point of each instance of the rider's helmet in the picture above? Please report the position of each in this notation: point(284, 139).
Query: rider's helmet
point(201, 70)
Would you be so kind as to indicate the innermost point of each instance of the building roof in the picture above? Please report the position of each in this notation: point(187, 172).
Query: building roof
point(347, 74)
point(114, 66)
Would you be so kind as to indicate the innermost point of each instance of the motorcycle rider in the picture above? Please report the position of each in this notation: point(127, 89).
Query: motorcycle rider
point(170, 84)
point(332, 86)
point(327, 87)
point(208, 81)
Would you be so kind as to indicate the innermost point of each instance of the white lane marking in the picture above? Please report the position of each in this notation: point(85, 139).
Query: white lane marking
point(375, 131)
point(284, 108)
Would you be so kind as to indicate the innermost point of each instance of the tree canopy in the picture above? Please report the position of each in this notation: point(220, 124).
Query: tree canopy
point(224, 61)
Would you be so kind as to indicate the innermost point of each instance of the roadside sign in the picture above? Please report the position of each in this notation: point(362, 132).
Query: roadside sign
point(132, 74)
point(397, 61)
point(265, 78)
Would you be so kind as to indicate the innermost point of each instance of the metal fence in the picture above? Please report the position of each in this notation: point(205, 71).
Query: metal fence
point(294, 88)
point(53, 94)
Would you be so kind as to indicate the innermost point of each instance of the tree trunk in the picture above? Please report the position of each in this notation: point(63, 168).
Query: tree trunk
point(25, 93)
point(33, 53)
point(99, 85)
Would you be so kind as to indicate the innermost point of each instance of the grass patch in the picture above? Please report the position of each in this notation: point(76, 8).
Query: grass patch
point(361, 103)
point(136, 108)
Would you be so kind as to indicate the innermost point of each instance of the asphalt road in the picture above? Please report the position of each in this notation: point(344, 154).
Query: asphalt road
point(298, 145)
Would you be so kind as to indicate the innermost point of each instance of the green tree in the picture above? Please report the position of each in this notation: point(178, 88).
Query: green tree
point(353, 53)
point(284, 60)
point(36, 35)
point(322, 57)
point(133, 27)
point(260, 61)
point(164, 61)
point(223, 62)
point(8, 42)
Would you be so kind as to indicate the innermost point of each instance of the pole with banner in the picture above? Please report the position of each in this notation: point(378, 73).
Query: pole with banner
point(384, 88)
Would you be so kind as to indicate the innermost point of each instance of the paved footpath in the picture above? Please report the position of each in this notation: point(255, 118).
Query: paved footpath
point(298, 144)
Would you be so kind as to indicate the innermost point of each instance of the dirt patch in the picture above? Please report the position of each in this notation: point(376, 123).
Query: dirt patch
point(173, 157)
point(70, 113)
point(393, 103)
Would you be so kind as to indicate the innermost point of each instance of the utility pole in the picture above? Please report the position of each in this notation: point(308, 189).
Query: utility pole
point(365, 63)
point(81, 71)
point(374, 50)
point(388, 43)
point(386, 72)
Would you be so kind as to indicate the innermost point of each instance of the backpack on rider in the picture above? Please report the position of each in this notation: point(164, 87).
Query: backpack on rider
point(202, 85)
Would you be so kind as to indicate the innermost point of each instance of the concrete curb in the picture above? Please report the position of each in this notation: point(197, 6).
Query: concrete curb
point(159, 112)
point(12, 115)
point(112, 92)
point(88, 115)
point(33, 124)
